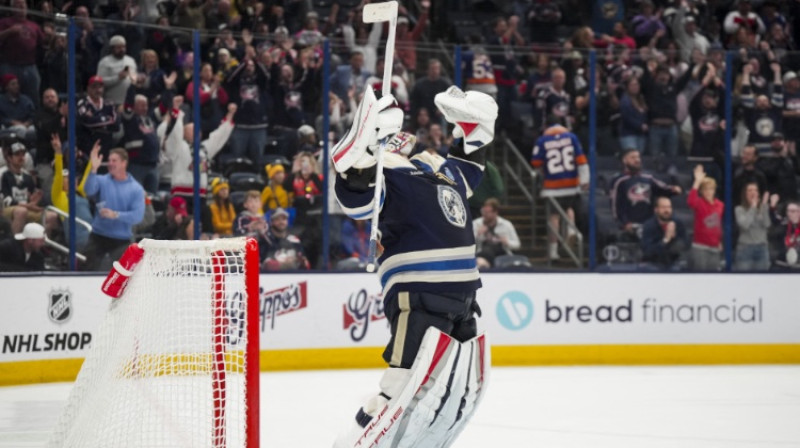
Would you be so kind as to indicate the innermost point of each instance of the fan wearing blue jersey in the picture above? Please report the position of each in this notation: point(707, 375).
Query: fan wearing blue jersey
point(559, 157)
point(428, 267)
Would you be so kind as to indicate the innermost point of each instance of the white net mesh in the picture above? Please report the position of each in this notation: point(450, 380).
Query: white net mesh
point(167, 366)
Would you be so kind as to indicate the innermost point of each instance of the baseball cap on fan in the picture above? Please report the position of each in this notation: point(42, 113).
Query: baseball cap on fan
point(17, 147)
point(31, 231)
point(117, 40)
point(95, 80)
point(179, 204)
point(278, 212)
point(5, 79)
point(305, 130)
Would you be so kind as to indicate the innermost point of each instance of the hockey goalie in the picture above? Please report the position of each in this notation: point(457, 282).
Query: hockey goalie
point(437, 362)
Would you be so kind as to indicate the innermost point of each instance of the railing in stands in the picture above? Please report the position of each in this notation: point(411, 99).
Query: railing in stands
point(517, 169)
point(60, 247)
point(64, 215)
point(567, 227)
point(63, 249)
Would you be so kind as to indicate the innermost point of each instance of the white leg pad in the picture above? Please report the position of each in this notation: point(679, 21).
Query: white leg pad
point(479, 363)
point(466, 388)
point(442, 391)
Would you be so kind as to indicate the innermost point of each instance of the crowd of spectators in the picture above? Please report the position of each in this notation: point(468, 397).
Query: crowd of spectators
point(660, 97)
point(660, 94)
point(260, 86)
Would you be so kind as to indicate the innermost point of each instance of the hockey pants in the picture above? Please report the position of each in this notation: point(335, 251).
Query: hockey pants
point(411, 313)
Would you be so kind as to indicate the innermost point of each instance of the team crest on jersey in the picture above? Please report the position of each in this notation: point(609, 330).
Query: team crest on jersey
point(452, 206)
point(639, 192)
point(765, 127)
point(609, 9)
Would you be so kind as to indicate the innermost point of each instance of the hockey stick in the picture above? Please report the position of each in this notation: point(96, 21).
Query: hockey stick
point(375, 13)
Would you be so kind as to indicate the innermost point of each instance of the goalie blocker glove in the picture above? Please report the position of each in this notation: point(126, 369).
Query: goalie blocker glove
point(375, 119)
point(473, 114)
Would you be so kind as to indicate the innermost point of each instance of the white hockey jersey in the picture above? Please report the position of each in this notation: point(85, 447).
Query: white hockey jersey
point(180, 154)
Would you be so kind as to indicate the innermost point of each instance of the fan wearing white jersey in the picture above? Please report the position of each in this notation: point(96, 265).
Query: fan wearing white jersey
point(178, 139)
point(437, 361)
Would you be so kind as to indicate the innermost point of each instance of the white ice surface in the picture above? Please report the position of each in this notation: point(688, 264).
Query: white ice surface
point(552, 407)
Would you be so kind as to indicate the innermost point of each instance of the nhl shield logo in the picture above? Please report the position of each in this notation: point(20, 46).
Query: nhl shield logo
point(452, 206)
point(60, 309)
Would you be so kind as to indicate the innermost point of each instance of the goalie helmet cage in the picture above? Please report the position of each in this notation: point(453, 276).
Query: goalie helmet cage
point(176, 361)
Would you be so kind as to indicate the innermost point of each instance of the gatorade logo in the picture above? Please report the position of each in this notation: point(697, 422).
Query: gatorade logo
point(514, 310)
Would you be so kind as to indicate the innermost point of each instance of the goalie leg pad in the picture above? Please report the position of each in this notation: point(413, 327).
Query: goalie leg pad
point(464, 390)
point(440, 393)
point(478, 365)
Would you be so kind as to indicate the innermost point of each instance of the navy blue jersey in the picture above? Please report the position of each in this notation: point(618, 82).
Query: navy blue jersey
point(551, 102)
point(478, 72)
point(707, 131)
point(16, 188)
point(762, 123)
point(425, 225)
point(633, 196)
point(96, 121)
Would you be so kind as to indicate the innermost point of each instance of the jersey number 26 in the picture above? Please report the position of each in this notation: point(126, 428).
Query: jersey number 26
point(561, 160)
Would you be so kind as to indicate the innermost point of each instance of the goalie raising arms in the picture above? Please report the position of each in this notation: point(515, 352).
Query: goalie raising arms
point(437, 361)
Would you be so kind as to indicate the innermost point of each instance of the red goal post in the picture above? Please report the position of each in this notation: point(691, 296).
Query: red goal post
point(176, 361)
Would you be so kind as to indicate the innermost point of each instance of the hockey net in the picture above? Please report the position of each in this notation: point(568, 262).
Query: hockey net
point(175, 363)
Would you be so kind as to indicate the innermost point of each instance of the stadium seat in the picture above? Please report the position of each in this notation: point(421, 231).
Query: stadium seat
point(159, 203)
point(282, 141)
point(350, 264)
point(267, 159)
point(524, 111)
point(245, 181)
point(237, 199)
point(239, 165)
point(608, 163)
point(512, 262)
point(273, 145)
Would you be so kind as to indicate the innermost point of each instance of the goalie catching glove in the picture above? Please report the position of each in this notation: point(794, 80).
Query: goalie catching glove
point(472, 113)
point(375, 119)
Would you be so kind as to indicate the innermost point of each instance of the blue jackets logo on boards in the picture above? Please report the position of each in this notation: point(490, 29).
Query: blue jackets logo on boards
point(514, 310)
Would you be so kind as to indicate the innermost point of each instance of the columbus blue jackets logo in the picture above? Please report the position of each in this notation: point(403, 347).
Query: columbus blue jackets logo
point(609, 9)
point(639, 192)
point(452, 206)
point(765, 127)
point(60, 309)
